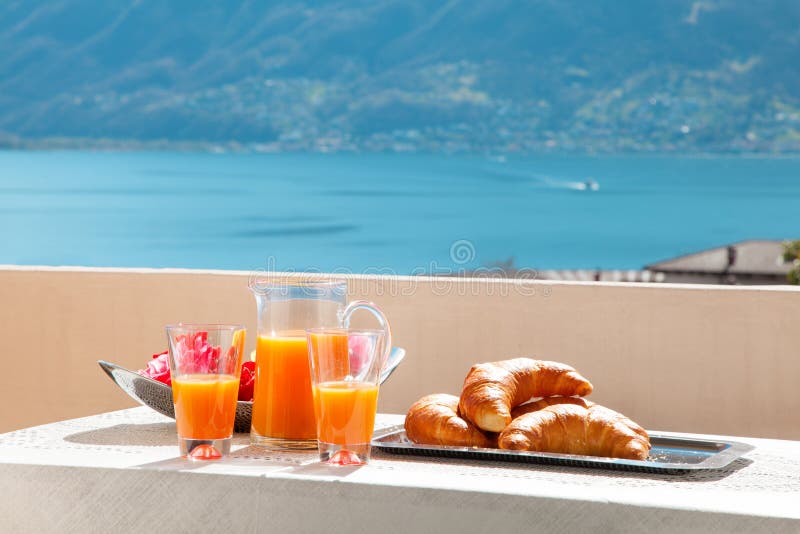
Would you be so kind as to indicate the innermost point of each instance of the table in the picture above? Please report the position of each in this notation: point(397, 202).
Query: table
point(119, 472)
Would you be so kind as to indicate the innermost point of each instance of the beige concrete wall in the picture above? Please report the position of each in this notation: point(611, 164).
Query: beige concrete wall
point(683, 358)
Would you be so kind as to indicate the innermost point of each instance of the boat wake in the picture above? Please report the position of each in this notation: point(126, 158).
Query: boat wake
point(587, 185)
point(545, 180)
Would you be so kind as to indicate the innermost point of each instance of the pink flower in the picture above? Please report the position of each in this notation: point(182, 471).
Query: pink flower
point(361, 349)
point(158, 368)
point(193, 354)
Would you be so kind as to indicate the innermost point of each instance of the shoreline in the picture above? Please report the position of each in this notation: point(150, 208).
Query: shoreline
point(124, 147)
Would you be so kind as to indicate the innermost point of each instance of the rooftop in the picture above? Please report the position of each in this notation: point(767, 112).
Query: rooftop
point(745, 257)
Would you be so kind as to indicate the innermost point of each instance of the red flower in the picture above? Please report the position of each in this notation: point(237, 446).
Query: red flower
point(158, 368)
point(247, 381)
point(200, 356)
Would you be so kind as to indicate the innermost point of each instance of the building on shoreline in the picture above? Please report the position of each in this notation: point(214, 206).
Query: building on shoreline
point(753, 262)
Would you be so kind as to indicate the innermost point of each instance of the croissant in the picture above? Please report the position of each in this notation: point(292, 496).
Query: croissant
point(574, 426)
point(434, 420)
point(551, 401)
point(529, 407)
point(491, 390)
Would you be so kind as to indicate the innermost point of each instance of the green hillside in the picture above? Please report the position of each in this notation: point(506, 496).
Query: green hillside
point(485, 76)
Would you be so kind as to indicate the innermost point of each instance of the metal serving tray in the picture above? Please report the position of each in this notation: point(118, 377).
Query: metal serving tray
point(669, 454)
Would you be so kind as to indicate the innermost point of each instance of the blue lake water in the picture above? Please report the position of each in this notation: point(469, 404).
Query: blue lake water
point(383, 212)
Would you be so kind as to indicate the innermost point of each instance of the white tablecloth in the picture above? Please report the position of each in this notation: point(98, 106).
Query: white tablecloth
point(119, 472)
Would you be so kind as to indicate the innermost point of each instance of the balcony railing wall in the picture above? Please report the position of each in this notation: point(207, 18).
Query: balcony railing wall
point(704, 359)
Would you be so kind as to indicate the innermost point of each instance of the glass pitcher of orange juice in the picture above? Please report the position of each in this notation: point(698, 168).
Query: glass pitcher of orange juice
point(283, 404)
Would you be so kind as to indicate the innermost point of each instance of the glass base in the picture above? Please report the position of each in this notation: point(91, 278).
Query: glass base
point(204, 449)
point(281, 444)
point(333, 454)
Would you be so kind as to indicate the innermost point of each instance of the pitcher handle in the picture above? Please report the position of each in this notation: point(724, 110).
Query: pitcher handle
point(382, 321)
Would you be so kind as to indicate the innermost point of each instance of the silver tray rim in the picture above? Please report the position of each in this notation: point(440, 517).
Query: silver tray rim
point(730, 451)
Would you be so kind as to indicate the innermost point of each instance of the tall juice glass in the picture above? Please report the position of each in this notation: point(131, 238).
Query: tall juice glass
point(283, 405)
point(205, 363)
point(345, 369)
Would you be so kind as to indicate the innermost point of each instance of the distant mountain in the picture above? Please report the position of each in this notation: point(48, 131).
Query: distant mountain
point(472, 75)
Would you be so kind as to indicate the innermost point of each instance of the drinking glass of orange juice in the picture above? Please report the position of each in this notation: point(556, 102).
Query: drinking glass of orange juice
point(283, 404)
point(205, 362)
point(345, 369)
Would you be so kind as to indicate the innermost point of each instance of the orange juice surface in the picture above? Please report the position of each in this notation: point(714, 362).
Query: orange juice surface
point(283, 404)
point(346, 412)
point(205, 405)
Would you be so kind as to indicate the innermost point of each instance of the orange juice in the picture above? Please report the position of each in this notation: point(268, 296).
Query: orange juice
point(205, 405)
point(283, 405)
point(346, 411)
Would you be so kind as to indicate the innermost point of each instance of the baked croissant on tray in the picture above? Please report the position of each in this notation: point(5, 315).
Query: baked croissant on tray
point(492, 389)
point(494, 399)
point(550, 401)
point(574, 426)
point(434, 420)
